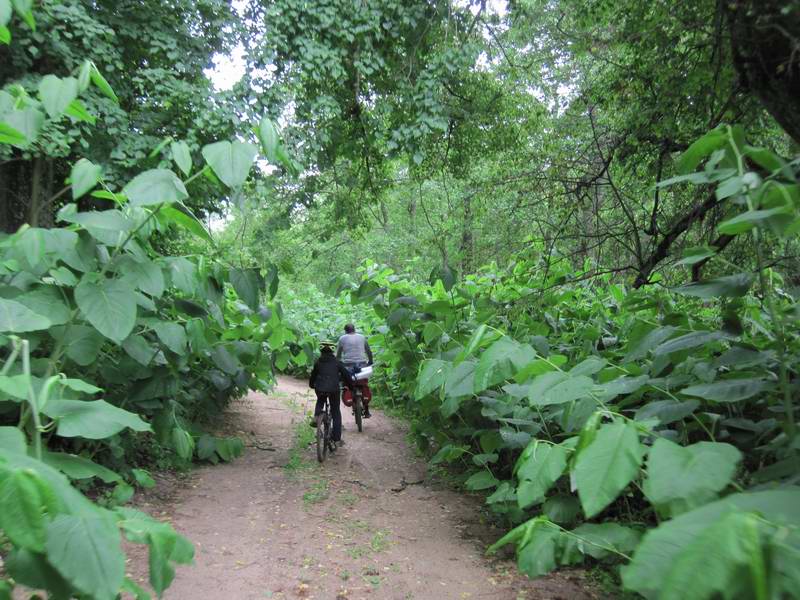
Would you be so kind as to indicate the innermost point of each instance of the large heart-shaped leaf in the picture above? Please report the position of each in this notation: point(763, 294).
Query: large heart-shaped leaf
point(156, 186)
point(109, 305)
point(607, 465)
point(86, 550)
point(696, 554)
point(538, 468)
point(689, 475)
point(91, 419)
point(84, 176)
point(182, 156)
point(500, 361)
point(231, 162)
point(432, 375)
point(57, 94)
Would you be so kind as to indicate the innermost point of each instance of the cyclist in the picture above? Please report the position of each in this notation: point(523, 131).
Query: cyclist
point(354, 352)
point(325, 378)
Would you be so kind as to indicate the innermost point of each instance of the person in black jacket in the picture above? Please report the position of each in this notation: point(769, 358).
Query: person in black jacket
point(325, 378)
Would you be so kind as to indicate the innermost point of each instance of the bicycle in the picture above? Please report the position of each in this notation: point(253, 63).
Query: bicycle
point(324, 426)
point(359, 394)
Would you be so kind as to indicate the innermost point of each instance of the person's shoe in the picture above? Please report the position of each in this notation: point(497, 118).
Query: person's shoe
point(340, 443)
point(367, 414)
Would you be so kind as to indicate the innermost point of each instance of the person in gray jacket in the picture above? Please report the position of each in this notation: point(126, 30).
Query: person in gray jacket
point(354, 352)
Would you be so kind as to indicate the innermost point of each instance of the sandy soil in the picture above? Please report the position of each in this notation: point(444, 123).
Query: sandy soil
point(276, 524)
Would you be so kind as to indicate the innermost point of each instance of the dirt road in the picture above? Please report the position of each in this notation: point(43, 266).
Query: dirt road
point(275, 524)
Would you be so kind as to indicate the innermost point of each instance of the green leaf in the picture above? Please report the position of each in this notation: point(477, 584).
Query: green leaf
point(481, 480)
point(620, 386)
point(690, 340)
point(26, 121)
point(225, 360)
point(500, 361)
point(142, 274)
point(268, 135)
point(84, 75)
point(588, 367)
point(86, 550)
point(84, 176)
point(231, 162)
point(21, 505)
point(182, 157)
point(155, 186)
point(607, 465)
point(639, 348)
point(15, 386)
point(78, 467)
point(102, 84)
point(750, 219)
point(183, 442)
point(82, 342)
point(666, 411)
point(47, 300)
point(172, 335)
point(696, 254)
point(9, 135)
point(57, 93)
point(573, 388)
point(5, 38)
point(12, 440)
point(109, 305)
point(24, 9)
point(111, 220)
point(16, 318)
point(94, 419)
point(663, 558)
point(690, 475)
point(34, 571)
point(247, 283)
point(602, 540)
point(700, 149)
point(537, 469)
point(432, 375)
point(562, 508)
point(78, 111)
point(183, 217)
point(536, 554)
point(728, 390)
point(730, 286)
point(459, 382)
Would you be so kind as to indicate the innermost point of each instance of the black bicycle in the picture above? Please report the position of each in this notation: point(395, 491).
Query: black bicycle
point(324, 427)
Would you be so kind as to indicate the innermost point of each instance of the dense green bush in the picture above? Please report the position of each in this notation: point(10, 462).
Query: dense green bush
point(91, 309)
point(653, 428)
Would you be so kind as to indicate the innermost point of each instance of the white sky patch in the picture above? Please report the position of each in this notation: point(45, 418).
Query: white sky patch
point(228, 69)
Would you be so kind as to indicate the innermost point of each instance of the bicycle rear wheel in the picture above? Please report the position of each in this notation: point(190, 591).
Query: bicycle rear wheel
point(322, 437)
point(358, 409)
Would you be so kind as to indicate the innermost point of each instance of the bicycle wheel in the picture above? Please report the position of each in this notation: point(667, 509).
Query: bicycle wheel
point(358, 408)
point(322, 442)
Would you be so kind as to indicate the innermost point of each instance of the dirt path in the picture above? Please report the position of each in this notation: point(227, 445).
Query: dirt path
point(275, 524)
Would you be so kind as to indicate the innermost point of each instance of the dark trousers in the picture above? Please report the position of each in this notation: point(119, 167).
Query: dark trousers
point(336, 413)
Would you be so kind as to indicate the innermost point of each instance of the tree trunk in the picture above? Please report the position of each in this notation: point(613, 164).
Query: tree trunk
point(467, 239)
point(765, 43)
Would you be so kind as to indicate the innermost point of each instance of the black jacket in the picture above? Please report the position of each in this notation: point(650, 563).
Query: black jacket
point(327, 373)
